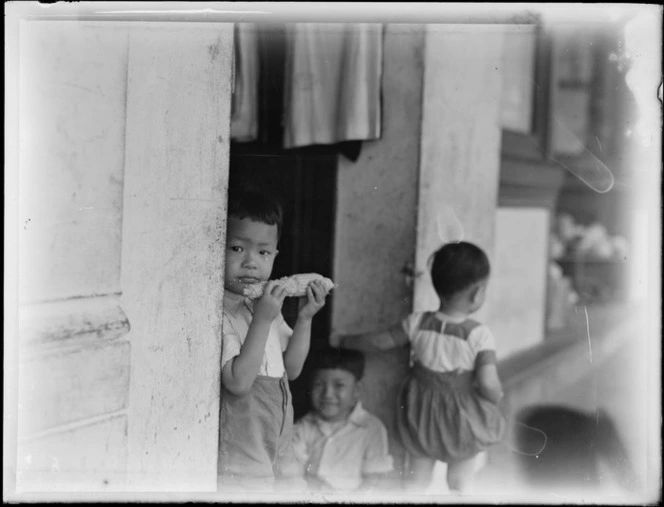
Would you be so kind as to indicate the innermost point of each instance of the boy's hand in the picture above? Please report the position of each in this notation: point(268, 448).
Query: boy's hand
point(270, 303)
point(313, 301)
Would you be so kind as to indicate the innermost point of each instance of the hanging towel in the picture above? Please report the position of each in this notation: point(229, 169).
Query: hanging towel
point(244, 111)
point(332, 88)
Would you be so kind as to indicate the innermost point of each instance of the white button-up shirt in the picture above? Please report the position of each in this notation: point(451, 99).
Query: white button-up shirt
point(238, 312)
point(342, 454)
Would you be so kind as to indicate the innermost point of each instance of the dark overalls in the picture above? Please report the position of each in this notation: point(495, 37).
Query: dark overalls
point(255, 446)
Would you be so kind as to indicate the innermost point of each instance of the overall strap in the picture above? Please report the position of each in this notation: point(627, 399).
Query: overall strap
point(431, 322)
point(461, 330)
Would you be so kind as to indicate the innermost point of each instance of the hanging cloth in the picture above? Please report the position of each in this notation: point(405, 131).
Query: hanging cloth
point(332, 88)
point(244, 109)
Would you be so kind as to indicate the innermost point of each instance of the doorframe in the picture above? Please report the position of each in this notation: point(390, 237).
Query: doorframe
point(173, 238)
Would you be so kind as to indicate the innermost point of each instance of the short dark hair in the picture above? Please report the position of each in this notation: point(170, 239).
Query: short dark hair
point(456, 266)
point(256, 204)
point(340, 359)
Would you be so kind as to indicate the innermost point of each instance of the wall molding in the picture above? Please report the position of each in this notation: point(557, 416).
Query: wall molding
point(73, 426)
point(71, 322)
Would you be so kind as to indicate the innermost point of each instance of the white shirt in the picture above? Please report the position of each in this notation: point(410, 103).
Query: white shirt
point(342, 454)
point(444, 348)
point(238, 312)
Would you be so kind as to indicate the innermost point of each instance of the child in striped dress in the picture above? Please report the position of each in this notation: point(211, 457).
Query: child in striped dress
point(448, 404)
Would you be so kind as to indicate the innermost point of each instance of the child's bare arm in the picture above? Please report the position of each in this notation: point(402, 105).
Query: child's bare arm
point(240, 372)
point(369, 342)
point(488, 382)
point(298, 348)
point(298, 345)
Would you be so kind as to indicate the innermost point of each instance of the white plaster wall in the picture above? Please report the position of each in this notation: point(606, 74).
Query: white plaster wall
point(56, 458)
point(73, 365)
point(460, 144)
point(518, 282)
point(71, 121)
point(176, 176)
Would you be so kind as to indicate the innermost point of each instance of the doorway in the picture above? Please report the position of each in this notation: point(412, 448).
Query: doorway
point(304, 182)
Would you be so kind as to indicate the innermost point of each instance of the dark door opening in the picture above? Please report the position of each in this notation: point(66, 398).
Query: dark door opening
point(305, 186)
point(304, 182)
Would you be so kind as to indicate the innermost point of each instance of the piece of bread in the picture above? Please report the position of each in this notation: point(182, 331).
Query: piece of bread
point(296, 285)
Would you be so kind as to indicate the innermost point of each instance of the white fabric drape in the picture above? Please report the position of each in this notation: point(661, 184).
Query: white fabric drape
point(332, 83)
point(244, 112)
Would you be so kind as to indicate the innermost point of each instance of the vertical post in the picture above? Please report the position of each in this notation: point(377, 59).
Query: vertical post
point(177, 148)
point(460, 144)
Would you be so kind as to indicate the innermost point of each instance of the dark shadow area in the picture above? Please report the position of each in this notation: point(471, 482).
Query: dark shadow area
point(563, 449)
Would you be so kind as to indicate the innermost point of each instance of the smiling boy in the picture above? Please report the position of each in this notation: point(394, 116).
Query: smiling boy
point(341, 446)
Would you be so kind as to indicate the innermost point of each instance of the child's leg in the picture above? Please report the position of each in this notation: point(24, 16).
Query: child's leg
point(460, 474)
point(419, 472)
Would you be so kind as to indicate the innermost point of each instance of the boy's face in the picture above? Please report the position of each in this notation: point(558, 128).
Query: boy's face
point(251, 248)
point(334, 394)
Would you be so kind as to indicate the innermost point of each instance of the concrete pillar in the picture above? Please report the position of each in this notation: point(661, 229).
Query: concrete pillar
point(178, 117)
point(460, 144)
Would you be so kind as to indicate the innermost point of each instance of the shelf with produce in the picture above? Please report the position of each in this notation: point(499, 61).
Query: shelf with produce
point(596, 262)
point(597, 280)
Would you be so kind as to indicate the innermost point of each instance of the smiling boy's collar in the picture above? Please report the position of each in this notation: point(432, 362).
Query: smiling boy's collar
point(357, 416)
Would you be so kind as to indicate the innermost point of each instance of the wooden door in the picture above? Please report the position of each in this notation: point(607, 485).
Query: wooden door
point(122, 174)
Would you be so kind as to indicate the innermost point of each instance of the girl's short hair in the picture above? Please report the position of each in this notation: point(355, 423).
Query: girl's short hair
point(340, 359)
point(456, 266)
point(256, 204)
